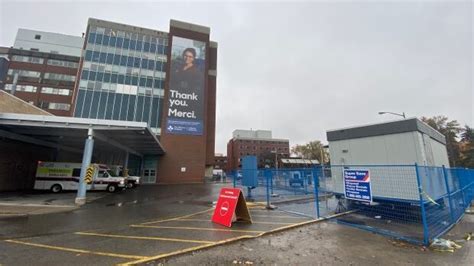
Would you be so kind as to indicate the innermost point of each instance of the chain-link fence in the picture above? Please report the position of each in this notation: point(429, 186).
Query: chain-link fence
point(409, 202)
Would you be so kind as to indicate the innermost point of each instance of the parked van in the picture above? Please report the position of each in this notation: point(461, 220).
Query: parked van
point(58, 176)
point(131, 181)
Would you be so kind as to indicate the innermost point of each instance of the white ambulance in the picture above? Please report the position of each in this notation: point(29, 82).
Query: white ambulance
point(58, 176)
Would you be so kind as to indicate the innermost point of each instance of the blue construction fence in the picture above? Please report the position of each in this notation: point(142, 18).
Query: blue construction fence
point(409, 202)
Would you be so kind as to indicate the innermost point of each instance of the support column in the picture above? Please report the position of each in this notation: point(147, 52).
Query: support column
point(86, 161)
point(125, 165)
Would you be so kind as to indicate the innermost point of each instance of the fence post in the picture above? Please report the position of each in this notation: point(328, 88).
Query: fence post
point(451, 211)
point(316, 189)
point(271, 182)
point(422, 206)
point(460, 175)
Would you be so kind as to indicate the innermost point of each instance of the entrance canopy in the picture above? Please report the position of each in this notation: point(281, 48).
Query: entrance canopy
point(69, 133)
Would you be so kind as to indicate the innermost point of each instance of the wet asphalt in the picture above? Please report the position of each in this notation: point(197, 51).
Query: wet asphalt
point(132, 226)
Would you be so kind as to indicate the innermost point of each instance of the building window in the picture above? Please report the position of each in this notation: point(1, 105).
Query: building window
point(58, 106)
point(60, 77)
point(25, 73)
point(27, 59)
point(25, 88)
point(37, 37)
point(49, 90)
point(62, 63)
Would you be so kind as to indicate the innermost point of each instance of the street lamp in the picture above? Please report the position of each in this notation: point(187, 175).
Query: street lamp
point(402, 114)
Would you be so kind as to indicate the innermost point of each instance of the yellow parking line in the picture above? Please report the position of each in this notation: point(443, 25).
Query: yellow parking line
point(182, 251)
point(179, 217)
point(264, 210)
point(196, 228)
point(77, 250)
point(146, 238)
point(202, 220)
point(278, 216)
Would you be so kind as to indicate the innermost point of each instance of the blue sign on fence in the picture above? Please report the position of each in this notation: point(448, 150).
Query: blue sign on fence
point(357, 185)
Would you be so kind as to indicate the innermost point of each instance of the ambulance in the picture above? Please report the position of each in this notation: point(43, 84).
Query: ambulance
point(59, 176)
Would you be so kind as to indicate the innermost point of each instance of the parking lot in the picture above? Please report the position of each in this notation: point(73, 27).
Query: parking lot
point(148, 223)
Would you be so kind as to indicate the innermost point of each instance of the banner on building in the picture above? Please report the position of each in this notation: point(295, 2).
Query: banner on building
point(186, 87)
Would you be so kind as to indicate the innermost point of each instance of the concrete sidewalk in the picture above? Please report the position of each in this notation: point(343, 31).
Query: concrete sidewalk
point(22, 204)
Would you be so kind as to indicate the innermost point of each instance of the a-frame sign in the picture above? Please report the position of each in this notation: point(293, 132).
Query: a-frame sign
point(231, 207)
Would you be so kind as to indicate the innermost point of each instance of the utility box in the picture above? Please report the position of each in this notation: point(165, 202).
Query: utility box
point(249, 171)
point(378, 147)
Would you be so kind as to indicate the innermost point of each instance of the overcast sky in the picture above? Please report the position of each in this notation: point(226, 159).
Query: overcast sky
point(300, 69)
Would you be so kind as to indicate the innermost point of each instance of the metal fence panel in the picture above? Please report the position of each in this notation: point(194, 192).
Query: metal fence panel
point(409, 202)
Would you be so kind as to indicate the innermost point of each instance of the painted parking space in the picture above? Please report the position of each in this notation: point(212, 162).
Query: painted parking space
point(155, 239)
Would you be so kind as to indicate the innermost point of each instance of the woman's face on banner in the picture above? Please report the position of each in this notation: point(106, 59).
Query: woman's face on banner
point(188, 58)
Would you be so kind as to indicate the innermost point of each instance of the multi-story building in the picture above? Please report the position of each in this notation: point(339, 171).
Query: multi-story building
point(255, 142)
point(128, 73)
point(123, 73)
point(220, 162)
point(41, 69)
point(137, 74)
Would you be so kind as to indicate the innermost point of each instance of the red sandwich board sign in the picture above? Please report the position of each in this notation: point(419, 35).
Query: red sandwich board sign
point(231, 207)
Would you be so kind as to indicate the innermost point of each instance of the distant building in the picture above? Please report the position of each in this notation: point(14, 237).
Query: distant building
point(255, 142)
point(41, 69)
point(48, 42)
point(220, 162)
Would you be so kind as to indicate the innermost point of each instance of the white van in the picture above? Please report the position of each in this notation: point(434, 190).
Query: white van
point(130, 181)
point(57, 176)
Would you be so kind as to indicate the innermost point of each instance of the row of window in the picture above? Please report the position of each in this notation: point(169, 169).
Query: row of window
point(62, 63)
point(27, 59)
point(25, 88)
point(126, 43)
point(45, 90)
point(47, 75)
point(38, 60)
point(262, 148)
point(120, 88)
point(123, 70)
point(116, 106)
point(59, 77)
point(122, 60)
point(126, 52)
point(55, 106)
point(123, 79)
point(56, 91)
point(264, 141)
point(129, 35)
point(25, 73)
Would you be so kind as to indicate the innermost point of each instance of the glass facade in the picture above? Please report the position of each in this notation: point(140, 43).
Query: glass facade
point(122, 76)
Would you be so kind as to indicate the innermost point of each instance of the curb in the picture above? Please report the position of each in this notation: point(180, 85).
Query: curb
point(5, 216)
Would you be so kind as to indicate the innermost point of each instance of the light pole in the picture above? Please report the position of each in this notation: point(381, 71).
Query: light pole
point(402, 114)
